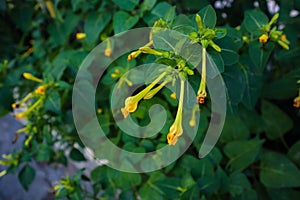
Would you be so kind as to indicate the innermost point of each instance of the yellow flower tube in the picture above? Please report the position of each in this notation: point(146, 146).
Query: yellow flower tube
point(132, 102)
point(176, 129)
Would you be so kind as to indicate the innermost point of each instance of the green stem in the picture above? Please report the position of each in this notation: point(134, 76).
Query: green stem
point(203, 74)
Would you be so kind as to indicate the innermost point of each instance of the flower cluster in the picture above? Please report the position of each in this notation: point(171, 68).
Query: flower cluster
point(178, 71)
point(205, 37)
point(273, 34)
point(38, 93)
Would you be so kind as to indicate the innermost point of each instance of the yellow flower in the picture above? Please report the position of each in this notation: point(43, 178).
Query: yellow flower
point(80, 36)
point(107, 52)
point(193, 119)
point(113, 75)
point(149, 50)
point(173, 95)
point(192, 122)
point(297, 101)
point(283, 37)
point(176, 129)
point(14, 105)
point(20, 115)
point(29, 76)
point(99, 111)
point(50, 8)
point(174, 132)
point(201, 97)
point(132, 102)
point(40, 90)
point(3, 173)
point(263, 38)
point(134, 55)
point(108, 49)
point(152, 92)
point(201, 94)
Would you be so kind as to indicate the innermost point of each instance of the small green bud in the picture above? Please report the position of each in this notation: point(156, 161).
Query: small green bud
point(274, 19)
point(182, 75)
point(284, 45)
point(213, 45)
point(199, 22)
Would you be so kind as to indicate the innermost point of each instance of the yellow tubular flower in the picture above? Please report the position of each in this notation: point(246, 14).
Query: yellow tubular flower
point(2, 173)
point(99, 111)
point(50, 8)
point(149, 50)
point(153, 92)
point(40, 90)
point(193, 119)
point(134, 55)
point(80, 36)
point(132, 102)
point(176, 128)
point(24, 114)
point(263, 38)
point(297, 101)
point(108, 49)
point(113, 75)
point(20, 115)
point(29, 76)
point(173, 95)
point(201, 95)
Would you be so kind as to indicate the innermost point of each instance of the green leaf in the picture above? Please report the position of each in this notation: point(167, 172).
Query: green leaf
point(160, 9)
point(98, 174)
point(234, 129)
point(170, 15)
point(235, 83)
point(94, 25)
point(60, 31)
point(76, 155)
point(208, 16)
point(220, 32)
point(285, 55)
point(192, 193)
point(62, 61)
point(294, 153)
point(44, 152)
point(78, 4)
point(52, 103)
point(278, 171)
point(288, 86)
point(207, 184)
point(253, 81)
point(283, 194)
point(126, 5)
point(147, 5)
point(259, 55)
point(169, 186)
point(182, 24)
point(229, 51)
point(276, 122)
point(194, 5)
point(26, 176)
point(122, 21)
point(123, 180)
point(214, 64)
point(252, 120)
point(238, 184)
point(254, 20)
point(242, 153)
point(22, 17)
